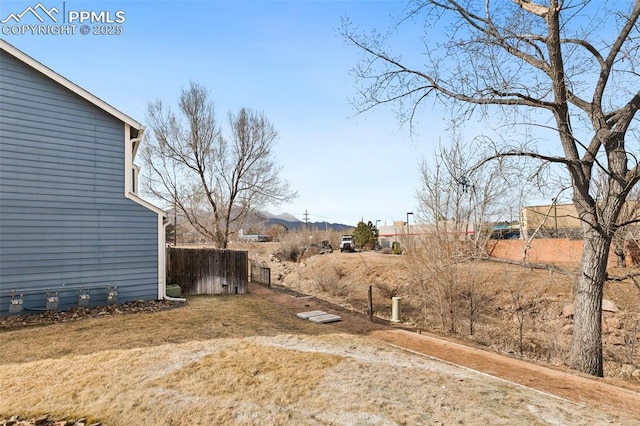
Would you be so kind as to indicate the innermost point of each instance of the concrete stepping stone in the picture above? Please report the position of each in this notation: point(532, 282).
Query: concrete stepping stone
point(319, 317)
point(323, 319)
point(309, 314)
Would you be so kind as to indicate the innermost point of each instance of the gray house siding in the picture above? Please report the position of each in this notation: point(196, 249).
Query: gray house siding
point(64, 220)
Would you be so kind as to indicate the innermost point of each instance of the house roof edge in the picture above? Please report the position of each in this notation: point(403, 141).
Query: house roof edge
point(33, 63)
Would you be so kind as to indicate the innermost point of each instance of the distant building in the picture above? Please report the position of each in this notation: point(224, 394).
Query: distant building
point(544, 221)
point(387, 235)
point(254, 238)
point(551, 221)
point(562, 221)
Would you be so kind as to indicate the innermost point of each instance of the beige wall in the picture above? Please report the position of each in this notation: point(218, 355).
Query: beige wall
point(553, 220)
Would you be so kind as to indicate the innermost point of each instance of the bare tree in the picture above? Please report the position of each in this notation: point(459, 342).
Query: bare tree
point(566, 66)
point(477, 302)
point(465, 199)
point(214, 181)
point(456, 204)
point(437, 279)
point(520, 310)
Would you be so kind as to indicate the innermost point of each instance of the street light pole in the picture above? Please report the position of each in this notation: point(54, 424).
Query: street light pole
point(408, 213)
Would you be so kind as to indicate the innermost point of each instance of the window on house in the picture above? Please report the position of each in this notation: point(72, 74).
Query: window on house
point(134, 179)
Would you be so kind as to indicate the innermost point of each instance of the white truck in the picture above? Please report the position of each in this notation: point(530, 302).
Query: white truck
point(347, 243)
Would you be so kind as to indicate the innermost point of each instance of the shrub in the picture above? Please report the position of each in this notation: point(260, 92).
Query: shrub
point(328, 281)
point(288, 251)
point(308, 251)
point(339, 271)
point(386, 290)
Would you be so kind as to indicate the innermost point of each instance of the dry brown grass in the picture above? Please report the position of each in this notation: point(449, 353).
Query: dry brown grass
point(241, 360)
point(253, 373)
point(204, 318)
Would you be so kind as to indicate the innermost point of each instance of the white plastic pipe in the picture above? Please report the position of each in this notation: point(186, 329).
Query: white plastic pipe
point(395, 309)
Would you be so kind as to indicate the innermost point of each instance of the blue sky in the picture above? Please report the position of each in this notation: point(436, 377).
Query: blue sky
point(284, 58)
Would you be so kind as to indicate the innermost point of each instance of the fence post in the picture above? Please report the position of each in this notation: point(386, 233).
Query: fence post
point(371, 303)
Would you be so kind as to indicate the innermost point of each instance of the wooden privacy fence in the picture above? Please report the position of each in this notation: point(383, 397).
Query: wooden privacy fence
point(260, 274)
point(208, 271)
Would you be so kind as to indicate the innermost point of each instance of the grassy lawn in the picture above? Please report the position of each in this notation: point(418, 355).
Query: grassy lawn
point(242, 360)
point(202, 318)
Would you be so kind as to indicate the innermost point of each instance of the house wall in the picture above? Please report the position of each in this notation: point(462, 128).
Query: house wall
point(64, 220)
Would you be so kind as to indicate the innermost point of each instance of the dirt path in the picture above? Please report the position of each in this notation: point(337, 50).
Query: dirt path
point(615, 397)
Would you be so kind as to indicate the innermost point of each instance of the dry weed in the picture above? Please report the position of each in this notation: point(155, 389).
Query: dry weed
point(386, 290)
point(328, 281)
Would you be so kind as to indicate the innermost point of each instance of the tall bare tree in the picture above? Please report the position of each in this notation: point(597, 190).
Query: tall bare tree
point(216, 182)
point(567, 66)
point(456, 202)
point(460, 198)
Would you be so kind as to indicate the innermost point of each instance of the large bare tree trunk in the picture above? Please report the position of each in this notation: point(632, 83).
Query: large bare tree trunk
point(586, 350)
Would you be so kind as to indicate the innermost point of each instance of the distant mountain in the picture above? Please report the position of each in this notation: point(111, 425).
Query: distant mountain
point(292, 223)
point(283, 216)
